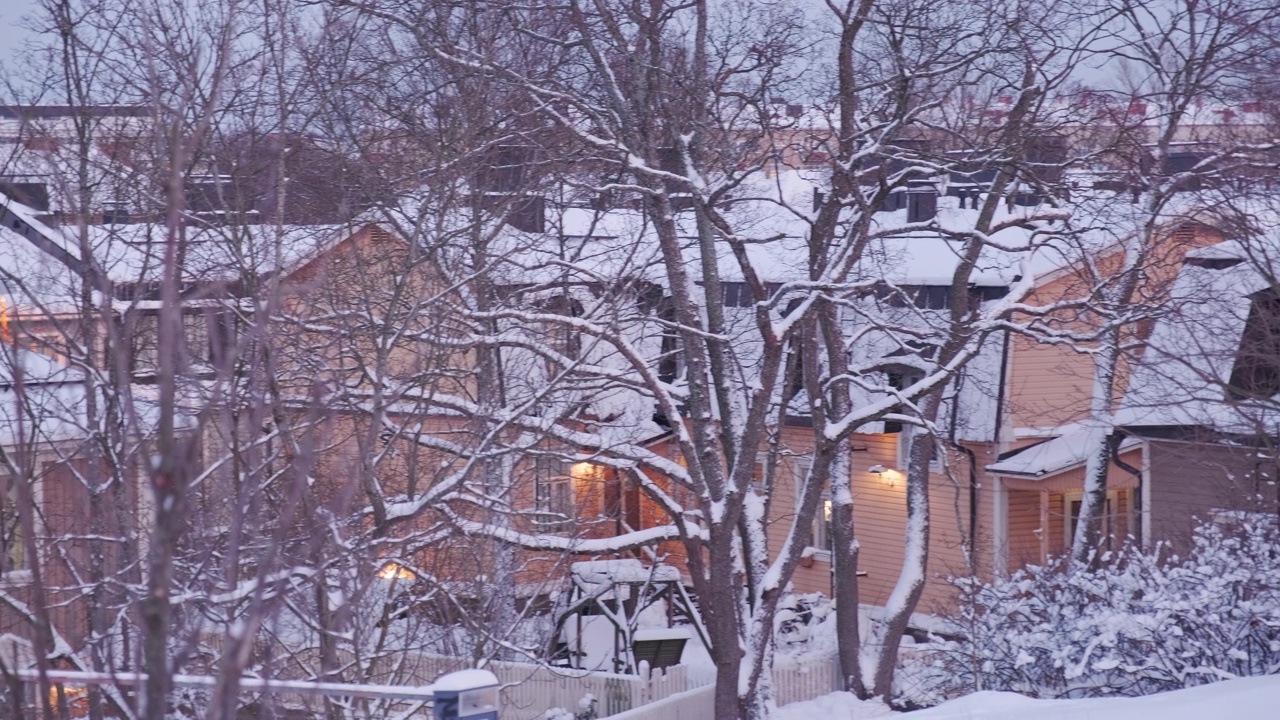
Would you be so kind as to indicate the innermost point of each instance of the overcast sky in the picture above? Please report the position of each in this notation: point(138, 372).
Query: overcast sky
point(11, 35)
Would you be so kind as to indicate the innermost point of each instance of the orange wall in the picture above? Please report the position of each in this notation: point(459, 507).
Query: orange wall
point(1050, 385)
point(880, 512)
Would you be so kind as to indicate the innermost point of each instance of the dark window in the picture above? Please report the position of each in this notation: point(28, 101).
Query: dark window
point(925, 297)
point(909, 434)
point(604, 201)
point(208, 194)
point(33, 195)
point(223, 336)
point(795, 367)
point(563, 338)
point(922, 205)
point(142, 332)
point(1180, 162)
point(898, 381)
point(1046, 156)
point(1257, 367)
point(116, 213)
point(894, 201)
point(670, 160)
point(13, 548)
point(505, 170)
point(934, 297)
point(682, 202)
point(528, 214)
point(739, 294)
point(670, 357)
point(523, 212)
point(502, 182)
point(987, 293)
point(210, 336)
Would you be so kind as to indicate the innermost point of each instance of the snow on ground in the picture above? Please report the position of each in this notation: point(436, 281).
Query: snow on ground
point(1256, 698)
point(836, 706)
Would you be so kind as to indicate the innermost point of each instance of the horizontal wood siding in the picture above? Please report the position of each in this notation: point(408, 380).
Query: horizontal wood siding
point(1190, 481)
point(880, 524)
point(1024, 527)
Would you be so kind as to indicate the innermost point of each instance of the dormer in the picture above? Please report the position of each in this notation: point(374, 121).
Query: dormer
point(28, 191)
point(671, 161)
point(1256, 372)
point(503, 183)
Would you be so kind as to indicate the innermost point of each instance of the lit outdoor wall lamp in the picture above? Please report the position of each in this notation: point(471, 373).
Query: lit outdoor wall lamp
point(887, 475)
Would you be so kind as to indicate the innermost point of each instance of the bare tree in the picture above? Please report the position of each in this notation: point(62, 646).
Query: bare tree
point(1179, 161)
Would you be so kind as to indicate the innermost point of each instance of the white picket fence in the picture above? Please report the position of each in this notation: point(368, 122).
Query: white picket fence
point(795, 681)
point(674, 693)
point(530, 690)
point(696, 704)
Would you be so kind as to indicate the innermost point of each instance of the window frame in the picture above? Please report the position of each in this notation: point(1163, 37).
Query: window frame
point(1070, 517)
point(906, 438)
point(12, 570)
point(553, 495)
point(819, 538)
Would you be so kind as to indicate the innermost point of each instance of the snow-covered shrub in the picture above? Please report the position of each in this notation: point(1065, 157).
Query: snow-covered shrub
point(805, 626)
point(1137, 625)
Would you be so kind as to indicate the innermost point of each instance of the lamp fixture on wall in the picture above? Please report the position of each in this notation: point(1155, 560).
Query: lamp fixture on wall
point(878, 469)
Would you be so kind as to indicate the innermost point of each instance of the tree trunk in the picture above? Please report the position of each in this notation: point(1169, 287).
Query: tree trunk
point(915, 564)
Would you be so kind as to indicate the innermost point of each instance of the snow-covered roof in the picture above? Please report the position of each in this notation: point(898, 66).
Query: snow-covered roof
point(41, 400)
point(31, 278)
point(44, 401)
point(1192, 350)
point(135, 252)
point(772, 215)
point(1055, 455)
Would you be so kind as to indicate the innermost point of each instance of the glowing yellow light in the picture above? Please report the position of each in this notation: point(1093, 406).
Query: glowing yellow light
point(396, 571)
point(584, 471)
point(826, 510)
point(76, 698)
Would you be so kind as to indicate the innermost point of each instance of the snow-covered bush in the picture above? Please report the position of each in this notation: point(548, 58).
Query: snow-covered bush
point(1139, 624)
point(805, 627)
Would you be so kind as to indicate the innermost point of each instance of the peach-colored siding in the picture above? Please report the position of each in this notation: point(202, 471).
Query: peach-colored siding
point(1050, 385)
point(880, 524)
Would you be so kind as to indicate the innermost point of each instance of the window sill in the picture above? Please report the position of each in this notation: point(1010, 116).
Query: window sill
point(15, 577)
point(817, 554)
